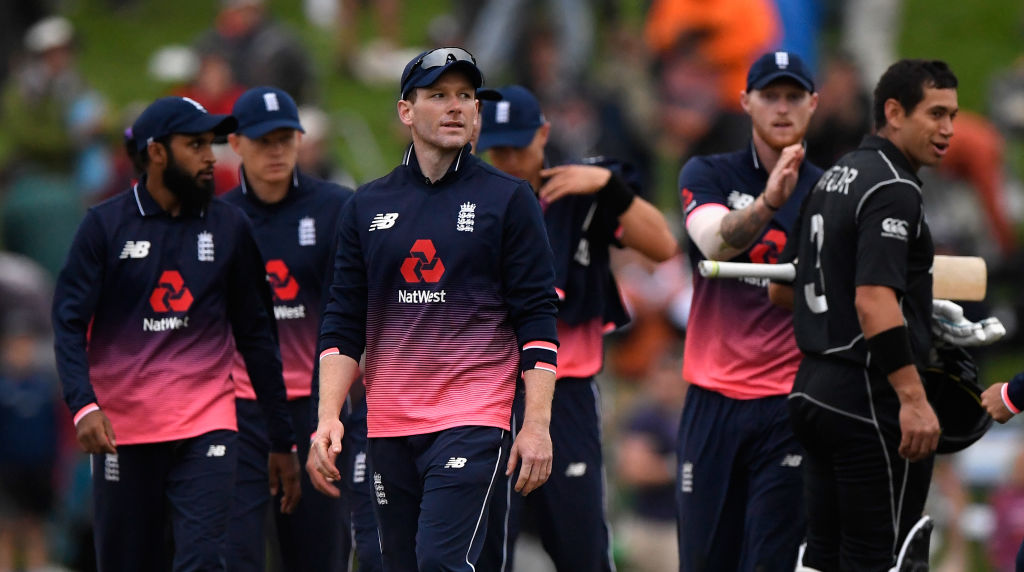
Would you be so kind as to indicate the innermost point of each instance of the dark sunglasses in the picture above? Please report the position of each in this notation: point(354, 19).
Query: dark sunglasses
point(438, 58)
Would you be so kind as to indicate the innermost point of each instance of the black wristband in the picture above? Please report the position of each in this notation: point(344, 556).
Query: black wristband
point(764, 199)
point(616, 195)
point(890, 350)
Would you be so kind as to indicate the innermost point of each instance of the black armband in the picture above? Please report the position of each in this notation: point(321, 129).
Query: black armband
point(890, 350)
point(616, 195)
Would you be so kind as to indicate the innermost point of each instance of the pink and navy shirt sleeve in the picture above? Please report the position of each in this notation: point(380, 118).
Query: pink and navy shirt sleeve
point(75, 298)
point(528, 281)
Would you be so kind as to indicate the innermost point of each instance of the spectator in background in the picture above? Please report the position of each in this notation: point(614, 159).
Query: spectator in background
point(843, 117)
point(646, 465)
point(260, 50)
point(1007, 502)
point(28, 422)
point(314, 148)
point(49, 146)
point(500, 29)
point(53, 121)
point(702, 52)
point(28, 443)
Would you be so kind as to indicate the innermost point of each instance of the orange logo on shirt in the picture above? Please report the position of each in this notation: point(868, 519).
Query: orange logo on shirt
point(422, 265)
point(285, 286)
point(768, 249)
point(171, 295)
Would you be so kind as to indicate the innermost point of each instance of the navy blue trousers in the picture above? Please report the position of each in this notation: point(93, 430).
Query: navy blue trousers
point(739, 498)
point(315, 537)
point(137, 491)
point(433, 493)
point(568, 511)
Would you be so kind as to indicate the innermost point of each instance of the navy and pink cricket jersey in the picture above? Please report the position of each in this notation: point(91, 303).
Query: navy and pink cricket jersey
point(148, 311)
point(745, 348)
point(297, 238)
point(447, 285)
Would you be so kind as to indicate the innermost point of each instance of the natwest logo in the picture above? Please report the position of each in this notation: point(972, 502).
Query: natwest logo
point(170, 295)
point(285, 287)
point(422, 265)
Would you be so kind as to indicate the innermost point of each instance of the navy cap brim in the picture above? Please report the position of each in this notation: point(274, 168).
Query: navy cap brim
point(783, 74)
point(518, 138)
point(432, 75)
point(262, 128)
point(488, 94)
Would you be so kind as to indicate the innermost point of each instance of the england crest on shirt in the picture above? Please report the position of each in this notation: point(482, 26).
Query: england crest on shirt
point(307, 231)
point(467, 217)
point(204, 246)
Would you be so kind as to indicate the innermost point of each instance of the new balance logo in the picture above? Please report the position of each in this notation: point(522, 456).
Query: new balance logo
point(382, 221)
point(738, 201)
point(791, 461)
point(455, 463)
point(576, 470)
point(217, 451)
point(135, 249)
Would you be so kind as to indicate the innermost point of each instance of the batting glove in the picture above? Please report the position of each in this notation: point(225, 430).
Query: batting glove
point(949, 325)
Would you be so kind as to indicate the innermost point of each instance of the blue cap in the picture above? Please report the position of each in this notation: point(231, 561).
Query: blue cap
point(510, 117)
point(261, 110)
point(776, 65)
point(170, 115)
point(424, 69)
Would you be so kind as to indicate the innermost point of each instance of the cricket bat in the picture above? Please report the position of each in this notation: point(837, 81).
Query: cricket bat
point(953, 277)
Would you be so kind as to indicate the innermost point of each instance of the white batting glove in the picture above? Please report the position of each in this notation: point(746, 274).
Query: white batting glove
point(949, 325)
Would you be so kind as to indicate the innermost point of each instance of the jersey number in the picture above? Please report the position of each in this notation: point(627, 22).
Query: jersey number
point(816, 302)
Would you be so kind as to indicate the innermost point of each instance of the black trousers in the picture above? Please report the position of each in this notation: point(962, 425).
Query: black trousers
point(862, 498)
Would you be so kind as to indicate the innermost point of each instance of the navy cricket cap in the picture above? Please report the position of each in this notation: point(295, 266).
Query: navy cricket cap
point(509, 120)
point(424, 69)
point(776, 65)
point(170, 115)
point(261, 110)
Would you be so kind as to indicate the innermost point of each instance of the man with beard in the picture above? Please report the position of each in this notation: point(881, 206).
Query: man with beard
point(160, 286)
point(739, 487)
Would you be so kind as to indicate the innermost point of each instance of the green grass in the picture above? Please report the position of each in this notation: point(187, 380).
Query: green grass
point(977, 39)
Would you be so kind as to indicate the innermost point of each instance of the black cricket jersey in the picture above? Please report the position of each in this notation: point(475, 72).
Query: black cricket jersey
point(862, 224)
point(297, 237)
point(446, 285)
point(147, 314)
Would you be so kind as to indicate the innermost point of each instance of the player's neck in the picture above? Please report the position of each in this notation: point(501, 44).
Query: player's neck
point(892, 135)
point(269, 192)
point(434, 161)
point(766, 154)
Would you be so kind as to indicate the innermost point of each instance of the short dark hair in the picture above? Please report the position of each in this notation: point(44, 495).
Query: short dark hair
point(905, 82)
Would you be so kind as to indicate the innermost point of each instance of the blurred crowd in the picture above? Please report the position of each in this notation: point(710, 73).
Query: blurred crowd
point(652, 95)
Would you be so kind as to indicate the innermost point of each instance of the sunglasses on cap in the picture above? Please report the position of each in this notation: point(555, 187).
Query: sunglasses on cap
point(441, 56)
